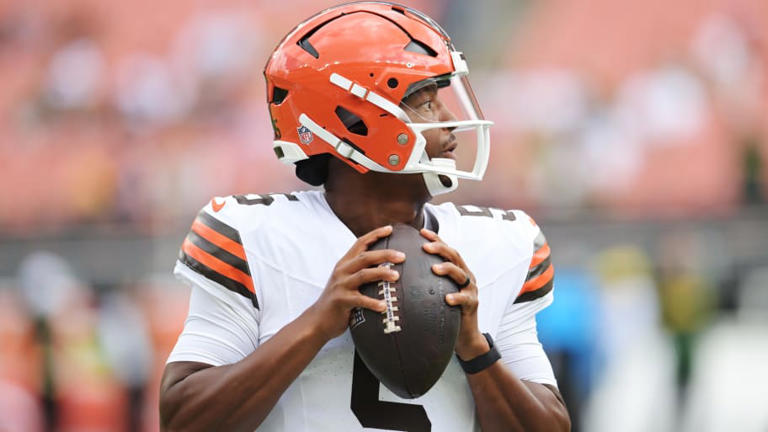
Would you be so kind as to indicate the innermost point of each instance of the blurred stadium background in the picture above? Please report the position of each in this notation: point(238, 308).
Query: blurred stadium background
point(635, 132)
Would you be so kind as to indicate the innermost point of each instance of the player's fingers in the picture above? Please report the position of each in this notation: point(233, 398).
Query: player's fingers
point(445, 251)
point(459, 275)
point(373, 274)
point(429, 234)
point(372, 258)
point(462, 299)
point(434, 238)
point(362, 300)
point(366, 239)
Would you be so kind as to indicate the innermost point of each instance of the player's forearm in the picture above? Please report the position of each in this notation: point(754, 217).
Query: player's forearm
point(241, 395)
point(505, 403)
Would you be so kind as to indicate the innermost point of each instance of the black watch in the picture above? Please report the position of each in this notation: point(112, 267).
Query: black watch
point(483, 361)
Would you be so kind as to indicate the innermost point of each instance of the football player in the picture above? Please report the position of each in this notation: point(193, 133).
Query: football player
point(366, 99)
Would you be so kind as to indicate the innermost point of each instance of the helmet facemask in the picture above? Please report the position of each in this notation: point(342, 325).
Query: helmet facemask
point(453, 108)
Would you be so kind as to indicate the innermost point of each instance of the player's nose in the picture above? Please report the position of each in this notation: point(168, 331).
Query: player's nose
point(447, 116)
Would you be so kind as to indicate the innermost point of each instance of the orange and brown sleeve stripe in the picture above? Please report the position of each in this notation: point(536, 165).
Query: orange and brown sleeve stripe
point(215, 250)
point(541, 272)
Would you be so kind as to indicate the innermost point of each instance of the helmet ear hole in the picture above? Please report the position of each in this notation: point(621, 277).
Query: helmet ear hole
point(393, 83)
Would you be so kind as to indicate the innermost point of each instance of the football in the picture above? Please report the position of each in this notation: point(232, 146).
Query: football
point(409, 345)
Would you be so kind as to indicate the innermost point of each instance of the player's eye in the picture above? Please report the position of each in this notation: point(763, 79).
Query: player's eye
point(424, 104)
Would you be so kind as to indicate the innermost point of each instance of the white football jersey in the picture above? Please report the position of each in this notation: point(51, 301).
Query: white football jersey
point(256, 262)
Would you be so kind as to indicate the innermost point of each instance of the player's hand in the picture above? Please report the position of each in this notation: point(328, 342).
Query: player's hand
point(470, 343)
point(357, 267)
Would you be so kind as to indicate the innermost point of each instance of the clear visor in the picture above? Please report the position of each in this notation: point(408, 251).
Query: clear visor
point(446, 112)
point(453, 92)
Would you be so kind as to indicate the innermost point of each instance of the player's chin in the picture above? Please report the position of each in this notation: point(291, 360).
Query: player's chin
point(448, 154)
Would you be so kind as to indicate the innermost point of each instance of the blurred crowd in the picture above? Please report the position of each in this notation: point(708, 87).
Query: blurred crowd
point(77, 357)
point(133, 114)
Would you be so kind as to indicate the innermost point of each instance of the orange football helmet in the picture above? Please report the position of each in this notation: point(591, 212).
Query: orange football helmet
point(336, 81)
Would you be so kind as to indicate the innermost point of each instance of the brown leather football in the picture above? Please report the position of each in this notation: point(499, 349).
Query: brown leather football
point(409, 346)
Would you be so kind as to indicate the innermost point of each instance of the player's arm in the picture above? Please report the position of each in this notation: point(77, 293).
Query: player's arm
point(503, 401)
point(239, 396)
point(506, 403)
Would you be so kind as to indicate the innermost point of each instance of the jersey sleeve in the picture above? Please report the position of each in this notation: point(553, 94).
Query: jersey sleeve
point(521, 351)
point(216, 332)
point(222, 326)
point(517, 339)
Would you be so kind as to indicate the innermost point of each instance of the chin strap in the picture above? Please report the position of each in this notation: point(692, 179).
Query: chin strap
point(438, 184)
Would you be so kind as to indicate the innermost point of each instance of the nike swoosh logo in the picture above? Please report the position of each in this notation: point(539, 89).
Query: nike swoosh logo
point(216, 206)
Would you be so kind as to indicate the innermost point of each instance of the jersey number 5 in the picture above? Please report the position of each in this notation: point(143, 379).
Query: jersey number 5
point(374, 413)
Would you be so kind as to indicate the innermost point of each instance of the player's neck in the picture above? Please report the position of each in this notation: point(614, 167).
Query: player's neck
point(364, 202)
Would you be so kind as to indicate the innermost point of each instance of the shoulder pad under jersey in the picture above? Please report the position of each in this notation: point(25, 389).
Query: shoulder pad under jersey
point(214, 247)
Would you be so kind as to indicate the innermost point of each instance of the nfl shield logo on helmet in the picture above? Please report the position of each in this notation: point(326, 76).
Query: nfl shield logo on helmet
point(305, 135)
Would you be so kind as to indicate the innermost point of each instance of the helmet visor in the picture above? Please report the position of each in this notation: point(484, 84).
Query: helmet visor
point(446, 113)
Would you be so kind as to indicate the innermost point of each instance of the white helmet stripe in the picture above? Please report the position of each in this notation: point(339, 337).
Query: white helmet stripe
point(371, 96)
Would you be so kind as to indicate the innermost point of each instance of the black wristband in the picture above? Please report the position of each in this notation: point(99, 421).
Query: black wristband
point(483, 361)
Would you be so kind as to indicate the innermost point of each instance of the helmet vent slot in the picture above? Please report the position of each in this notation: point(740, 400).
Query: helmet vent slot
point(351, 121)
point(304, 41)
point(306, 46)
point(278, 95)
point(420, 48)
